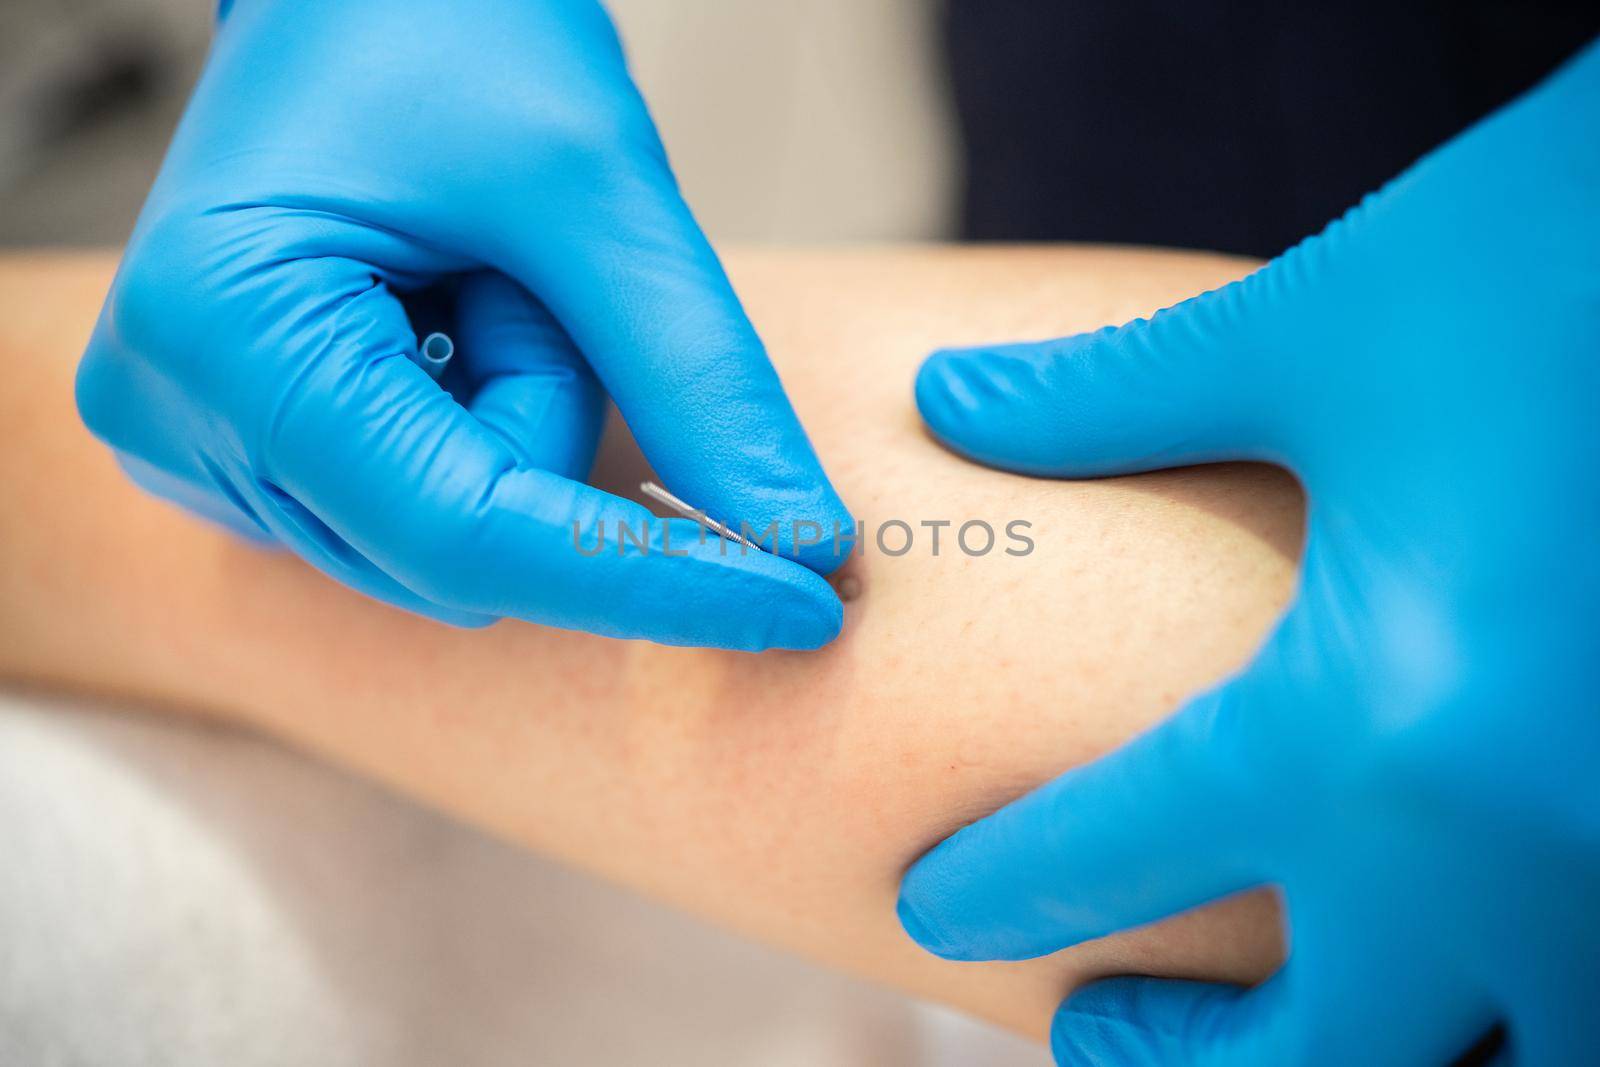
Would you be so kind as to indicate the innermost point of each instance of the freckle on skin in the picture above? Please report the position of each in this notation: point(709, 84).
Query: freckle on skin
point(847, 581)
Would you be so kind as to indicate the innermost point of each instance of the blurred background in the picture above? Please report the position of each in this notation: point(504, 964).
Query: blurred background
point(1230, 125)
point(821, 121)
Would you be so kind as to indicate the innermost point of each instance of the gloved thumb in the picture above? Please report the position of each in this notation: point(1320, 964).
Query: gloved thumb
point(1192, 384)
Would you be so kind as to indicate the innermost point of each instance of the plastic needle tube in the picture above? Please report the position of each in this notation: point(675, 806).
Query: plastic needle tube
point(434, 354)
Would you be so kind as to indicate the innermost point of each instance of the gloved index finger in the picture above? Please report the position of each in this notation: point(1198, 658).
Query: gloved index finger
point(640, 290)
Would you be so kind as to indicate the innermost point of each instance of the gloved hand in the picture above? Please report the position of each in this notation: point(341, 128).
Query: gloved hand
point(352, 174)
point(1413, 757)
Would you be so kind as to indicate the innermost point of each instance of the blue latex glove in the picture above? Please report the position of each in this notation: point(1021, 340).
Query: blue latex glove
point(350, 175)
point(1414, 754)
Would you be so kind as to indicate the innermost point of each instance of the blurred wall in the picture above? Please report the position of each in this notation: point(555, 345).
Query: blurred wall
point(815, 121)
point(89, 93)
point(822, 120)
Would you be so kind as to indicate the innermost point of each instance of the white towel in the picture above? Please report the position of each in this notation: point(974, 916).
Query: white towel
point(177, 894)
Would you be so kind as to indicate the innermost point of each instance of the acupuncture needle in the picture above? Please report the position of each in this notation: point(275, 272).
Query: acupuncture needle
point(658, 493)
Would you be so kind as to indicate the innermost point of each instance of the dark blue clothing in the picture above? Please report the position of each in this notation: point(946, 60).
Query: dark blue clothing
point(1238, 126)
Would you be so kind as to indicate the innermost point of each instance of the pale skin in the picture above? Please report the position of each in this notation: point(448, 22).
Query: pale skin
point(783, 794)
